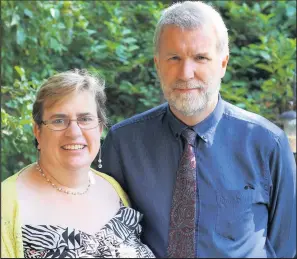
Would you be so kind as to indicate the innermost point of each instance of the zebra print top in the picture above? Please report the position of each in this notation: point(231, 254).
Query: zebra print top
point(119, 238)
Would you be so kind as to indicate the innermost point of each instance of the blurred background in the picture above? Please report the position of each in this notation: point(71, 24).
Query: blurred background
point(113, 39)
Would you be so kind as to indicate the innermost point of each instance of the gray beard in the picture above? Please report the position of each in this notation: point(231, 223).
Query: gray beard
point(190, 104)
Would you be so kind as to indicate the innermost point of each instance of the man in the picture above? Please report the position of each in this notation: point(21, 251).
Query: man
point(240, 201)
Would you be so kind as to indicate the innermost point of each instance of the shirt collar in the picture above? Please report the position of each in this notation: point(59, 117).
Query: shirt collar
point(205, 129)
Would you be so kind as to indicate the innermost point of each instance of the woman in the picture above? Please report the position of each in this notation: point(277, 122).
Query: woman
point(59, 206)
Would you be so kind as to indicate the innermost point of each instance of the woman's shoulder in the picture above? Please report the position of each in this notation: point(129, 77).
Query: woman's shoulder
point(9, 190)
point(8, 186)
point(8, 197)
point(124, 197)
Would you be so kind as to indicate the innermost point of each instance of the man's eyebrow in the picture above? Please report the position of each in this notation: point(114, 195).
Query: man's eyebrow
point(202, 54)
point(84, 114)
point(197, 54)
point(171, 54)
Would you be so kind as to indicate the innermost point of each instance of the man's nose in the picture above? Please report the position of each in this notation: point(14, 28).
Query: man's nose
point(187, 70)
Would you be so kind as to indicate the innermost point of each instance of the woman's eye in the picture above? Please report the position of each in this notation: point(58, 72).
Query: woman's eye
point(58, 121)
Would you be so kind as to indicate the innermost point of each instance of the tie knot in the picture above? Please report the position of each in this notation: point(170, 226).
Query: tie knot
point(189, 135)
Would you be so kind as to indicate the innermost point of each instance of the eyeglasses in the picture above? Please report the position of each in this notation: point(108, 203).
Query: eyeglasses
point(85, 122)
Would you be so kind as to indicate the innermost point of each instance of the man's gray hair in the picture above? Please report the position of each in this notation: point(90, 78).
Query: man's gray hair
point(192, 15)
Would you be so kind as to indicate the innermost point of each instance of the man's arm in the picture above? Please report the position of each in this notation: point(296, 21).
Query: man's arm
point(282, 211)
point(111, 163)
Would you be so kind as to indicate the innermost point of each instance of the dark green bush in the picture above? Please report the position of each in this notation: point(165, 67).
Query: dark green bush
point(114, 40)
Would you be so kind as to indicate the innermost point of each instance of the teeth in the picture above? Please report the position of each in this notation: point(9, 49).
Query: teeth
point(73, 147)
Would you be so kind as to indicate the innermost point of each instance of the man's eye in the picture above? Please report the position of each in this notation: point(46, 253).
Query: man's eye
point(174, 58)
point(86, 119)
point(58, 121)
point(201, 58)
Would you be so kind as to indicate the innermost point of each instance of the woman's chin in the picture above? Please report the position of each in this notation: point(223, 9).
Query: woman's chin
point(76, 165)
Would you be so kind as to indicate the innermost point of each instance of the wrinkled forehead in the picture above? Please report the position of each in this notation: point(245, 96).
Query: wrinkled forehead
point(202, 38)
point(205, 29)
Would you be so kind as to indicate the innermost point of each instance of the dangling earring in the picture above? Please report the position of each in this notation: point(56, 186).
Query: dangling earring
point(38, 152)
point(99, 159)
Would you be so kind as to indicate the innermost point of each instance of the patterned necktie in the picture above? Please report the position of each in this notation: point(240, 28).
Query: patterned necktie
point(183, 209)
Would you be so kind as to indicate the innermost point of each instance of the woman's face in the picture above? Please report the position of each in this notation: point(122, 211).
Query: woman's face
point(73, 148)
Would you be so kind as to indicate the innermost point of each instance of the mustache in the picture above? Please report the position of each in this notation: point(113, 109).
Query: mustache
point(189, 85)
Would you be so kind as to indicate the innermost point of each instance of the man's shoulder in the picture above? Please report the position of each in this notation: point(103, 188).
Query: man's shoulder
point(146, 118)
point(249, 118)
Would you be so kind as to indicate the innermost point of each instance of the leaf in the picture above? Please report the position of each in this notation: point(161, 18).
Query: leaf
point(15, 19)
point(126, 31)
point(290, 11)
point(265, 67)
point(239, 83)
point(265, 55)
point(257, 7)
point(263, 39)
point(227, 76)
point(24, 121)
point(20, 71)
point(100, 47)
point(53, 13)
point(28, 13)
point(54, 44)
point(90, 32)
point(129, 40)
point(133, 47)
point(20, 36)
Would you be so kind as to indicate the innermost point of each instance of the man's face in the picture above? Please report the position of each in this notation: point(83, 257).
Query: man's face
point(190, 68)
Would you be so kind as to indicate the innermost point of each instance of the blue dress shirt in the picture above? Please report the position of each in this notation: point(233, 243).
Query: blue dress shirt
point(246, 180)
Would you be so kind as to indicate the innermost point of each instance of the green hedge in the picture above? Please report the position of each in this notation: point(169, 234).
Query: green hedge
point(40, 38)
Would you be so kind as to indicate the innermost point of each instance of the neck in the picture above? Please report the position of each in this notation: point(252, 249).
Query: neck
point(197, 117)
point(74, 179)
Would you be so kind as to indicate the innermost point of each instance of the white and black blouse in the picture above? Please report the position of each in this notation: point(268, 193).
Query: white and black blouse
point(119, 238)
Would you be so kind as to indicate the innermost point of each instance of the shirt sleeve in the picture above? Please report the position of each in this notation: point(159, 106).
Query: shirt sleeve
point(282, 211)
point(7, 248)
point(111, 163)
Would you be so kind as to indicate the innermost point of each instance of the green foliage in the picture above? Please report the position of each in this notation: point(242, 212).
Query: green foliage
point(262, 67)
point(114, 40)
point(44, 37)
point(17, 147)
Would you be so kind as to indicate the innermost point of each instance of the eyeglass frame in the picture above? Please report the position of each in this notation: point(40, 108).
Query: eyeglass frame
point(45, 123)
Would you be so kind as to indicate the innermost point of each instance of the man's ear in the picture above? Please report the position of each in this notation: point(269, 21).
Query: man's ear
point(101, 127)
point(224, 65)
point(156, 61)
